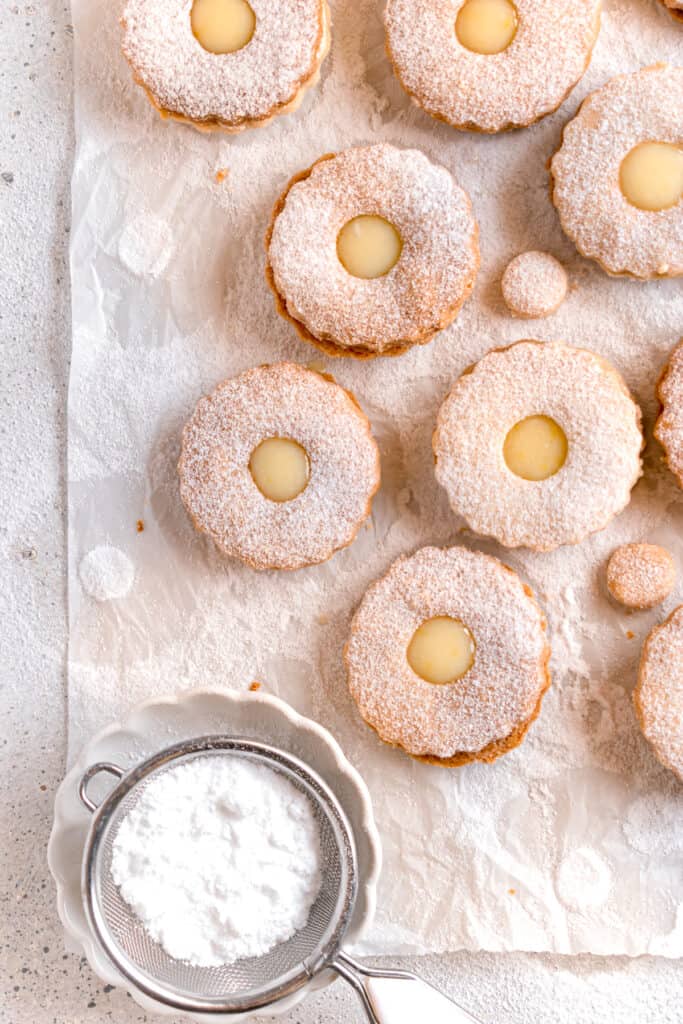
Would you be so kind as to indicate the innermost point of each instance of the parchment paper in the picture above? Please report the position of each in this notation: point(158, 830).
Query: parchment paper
point(573, 842)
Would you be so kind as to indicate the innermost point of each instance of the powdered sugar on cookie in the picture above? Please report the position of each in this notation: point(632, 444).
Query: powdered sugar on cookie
point(229, 90)
point(548, 55)
point(499, 693)
point(646, 106)
point(586, 397)
point(669, 426)
point(659, 695)
point(534, 284)
point(424, 290)
point(640, 575)
point(217, 488)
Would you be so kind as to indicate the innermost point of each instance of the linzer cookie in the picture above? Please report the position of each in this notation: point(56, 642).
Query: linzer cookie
point(618, 175)
point(371, 251)
point(448, 657)
point(279, 467)
point(538, 445)
point(489, 65)
point(658, 697)
point(669, 426)
point(225, 64)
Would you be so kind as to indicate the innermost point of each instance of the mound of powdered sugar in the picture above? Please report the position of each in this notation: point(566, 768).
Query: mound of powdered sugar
point(220, 860)
point(106, 573)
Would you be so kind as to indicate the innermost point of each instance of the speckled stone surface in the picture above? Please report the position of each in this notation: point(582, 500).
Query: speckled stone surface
point(39, 982)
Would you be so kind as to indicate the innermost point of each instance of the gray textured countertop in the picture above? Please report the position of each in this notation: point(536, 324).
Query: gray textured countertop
point(39, 982)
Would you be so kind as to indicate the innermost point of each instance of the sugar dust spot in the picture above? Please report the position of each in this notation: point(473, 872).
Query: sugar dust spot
point(106, 573)
point(584, 880)
point(146, 245)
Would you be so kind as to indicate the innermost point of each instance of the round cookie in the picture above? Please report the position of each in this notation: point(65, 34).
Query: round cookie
point(488, 709)
point(618, 175)
point(402, 225)
point(674, 8)
point(658, 697)
point(279, 467)
point(495, 82)
point(669, 426)
point(534, 285)
point(538, 445)
point(640, 575)
point(230, 87)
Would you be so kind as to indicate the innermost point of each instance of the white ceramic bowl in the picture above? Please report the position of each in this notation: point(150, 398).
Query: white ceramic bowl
point(160, 723)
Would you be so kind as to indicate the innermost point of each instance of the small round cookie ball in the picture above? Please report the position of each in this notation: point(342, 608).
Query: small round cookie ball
point(640, 575)
point(534, 285)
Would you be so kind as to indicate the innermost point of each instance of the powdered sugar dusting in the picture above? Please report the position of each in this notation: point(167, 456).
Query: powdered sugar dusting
point(284, 400)
point(669, 426)
point(106, 573)
point(490, 92)
point(646, 106)
point(432, 278)
point(497, 694)
point(584, 880)
point(659, 694)
point(146, 245)
point(641, 575)
point(534, 284)
point(184, 78)
point(586, 397)
point(147, 348)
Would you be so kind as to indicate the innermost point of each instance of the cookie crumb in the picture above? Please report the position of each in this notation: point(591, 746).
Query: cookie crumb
point(140, 526)
point(255, 686)
point(221, 174)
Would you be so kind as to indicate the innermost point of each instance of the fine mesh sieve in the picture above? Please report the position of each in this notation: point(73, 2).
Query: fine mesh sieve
point(247, 984)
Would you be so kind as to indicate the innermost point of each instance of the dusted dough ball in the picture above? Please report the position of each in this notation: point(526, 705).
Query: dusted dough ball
point(640, 575)
point(534, 285)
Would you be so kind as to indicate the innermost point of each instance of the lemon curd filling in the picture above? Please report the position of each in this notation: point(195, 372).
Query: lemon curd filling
point(280, 468)
point(486, 26)
point(651, 175)
point(536, 448)
point(369, 246)
point(441, 650)
point(222, 26)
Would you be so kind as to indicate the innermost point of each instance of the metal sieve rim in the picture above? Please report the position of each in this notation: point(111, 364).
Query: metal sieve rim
point(317, 790)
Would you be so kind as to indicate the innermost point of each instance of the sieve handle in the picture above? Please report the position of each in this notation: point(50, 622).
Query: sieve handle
point(96, 769)
point(397, 997)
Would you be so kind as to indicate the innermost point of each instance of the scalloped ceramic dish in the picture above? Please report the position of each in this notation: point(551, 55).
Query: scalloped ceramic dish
point(156, 724)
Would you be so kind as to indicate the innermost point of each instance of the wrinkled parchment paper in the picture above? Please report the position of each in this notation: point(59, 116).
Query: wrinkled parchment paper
point(572, 843)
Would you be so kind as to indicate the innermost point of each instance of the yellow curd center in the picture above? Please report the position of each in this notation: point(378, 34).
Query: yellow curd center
point(486, 26)
point(441, 650)
point(280, 468)
point(222, 26)
point(535, 448)
point(369, 246)
point(651, 175)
